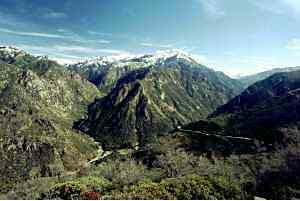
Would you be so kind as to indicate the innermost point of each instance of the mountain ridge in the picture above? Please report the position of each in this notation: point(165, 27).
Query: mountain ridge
point(39, 100)
point(167, 95)
point(251, 79)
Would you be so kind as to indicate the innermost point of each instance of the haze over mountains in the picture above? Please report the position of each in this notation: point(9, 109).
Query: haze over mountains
point(251, 79)
point(56, 120)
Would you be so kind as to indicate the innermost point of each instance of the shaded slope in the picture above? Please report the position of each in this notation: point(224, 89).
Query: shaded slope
point(267, 111)
point(155, 100)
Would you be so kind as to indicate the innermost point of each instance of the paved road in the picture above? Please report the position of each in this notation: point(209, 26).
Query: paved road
point(214, 135)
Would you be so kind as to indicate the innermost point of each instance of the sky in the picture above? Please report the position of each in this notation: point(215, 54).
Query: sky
point(238, 37)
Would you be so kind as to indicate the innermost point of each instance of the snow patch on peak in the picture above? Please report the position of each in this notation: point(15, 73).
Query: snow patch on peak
point(10, 49)
point(158, 58)
point(104, 60)
point(8, 53)
point(172, 56)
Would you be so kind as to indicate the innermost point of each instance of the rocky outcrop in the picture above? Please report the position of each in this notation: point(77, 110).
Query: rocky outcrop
point(38, 104)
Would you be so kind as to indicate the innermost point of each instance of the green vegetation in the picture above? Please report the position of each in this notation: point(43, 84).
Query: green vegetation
point(81, 188)
point(150, 101)
point(39, 101)
point(248, 147)
point(183, 188)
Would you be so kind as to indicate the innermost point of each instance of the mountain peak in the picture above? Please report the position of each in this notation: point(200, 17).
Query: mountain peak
point(180, 54)
point(159, 58)
point(10, 51)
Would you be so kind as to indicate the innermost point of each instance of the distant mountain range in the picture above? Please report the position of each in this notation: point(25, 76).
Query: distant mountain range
point(251, 79)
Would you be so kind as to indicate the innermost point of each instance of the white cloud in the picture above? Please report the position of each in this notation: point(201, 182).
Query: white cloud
point(99, 33)
point(55, 15)
point(69, 54)
point(147, 44)
point(88, 50)
point(212, 8)
point(66, 34)
point(274, 7)
point(294, 44)
point(123, 36)
point(165, 46)
point(65, 31)
point(33, 34)
point(103, 41)
point(293, 4)
point(156, 45)
point(279, 7)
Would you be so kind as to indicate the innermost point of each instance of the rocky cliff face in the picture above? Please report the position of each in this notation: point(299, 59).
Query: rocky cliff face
point(156, 99)
point(38, 103)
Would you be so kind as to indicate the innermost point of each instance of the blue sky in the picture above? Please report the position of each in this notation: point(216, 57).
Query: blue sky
point(235, 36)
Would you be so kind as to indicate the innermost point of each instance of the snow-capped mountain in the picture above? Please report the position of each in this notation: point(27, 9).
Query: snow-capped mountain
point(104, 71)
point(8, 52)
point(10, 55)
point(159, 58)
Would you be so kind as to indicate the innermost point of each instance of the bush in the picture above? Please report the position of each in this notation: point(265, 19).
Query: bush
point(31, 189)
point(176, 163)
point(278, 176)
point(91, 195)
point(145, 190)
point(183, 188)
point(82, 188)
point(122, 173)
point(66, 191)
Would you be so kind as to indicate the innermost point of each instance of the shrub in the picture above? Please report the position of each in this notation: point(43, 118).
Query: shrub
point(145, 190)
point(31, 189)
point(191, 187)
point(66, 191)
point(176, 163)
point(187, 188)
point(81, 188)
point(122, 173)
point(278, 175)
point(91, 195)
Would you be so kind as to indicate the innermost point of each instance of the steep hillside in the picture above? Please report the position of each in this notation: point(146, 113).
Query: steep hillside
point(12, 55)
point(104, 72)
point(265, 117)
point(39, 101)
point(251, 79)
point(267, 111)
point(150, 100)
point(263, 122)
